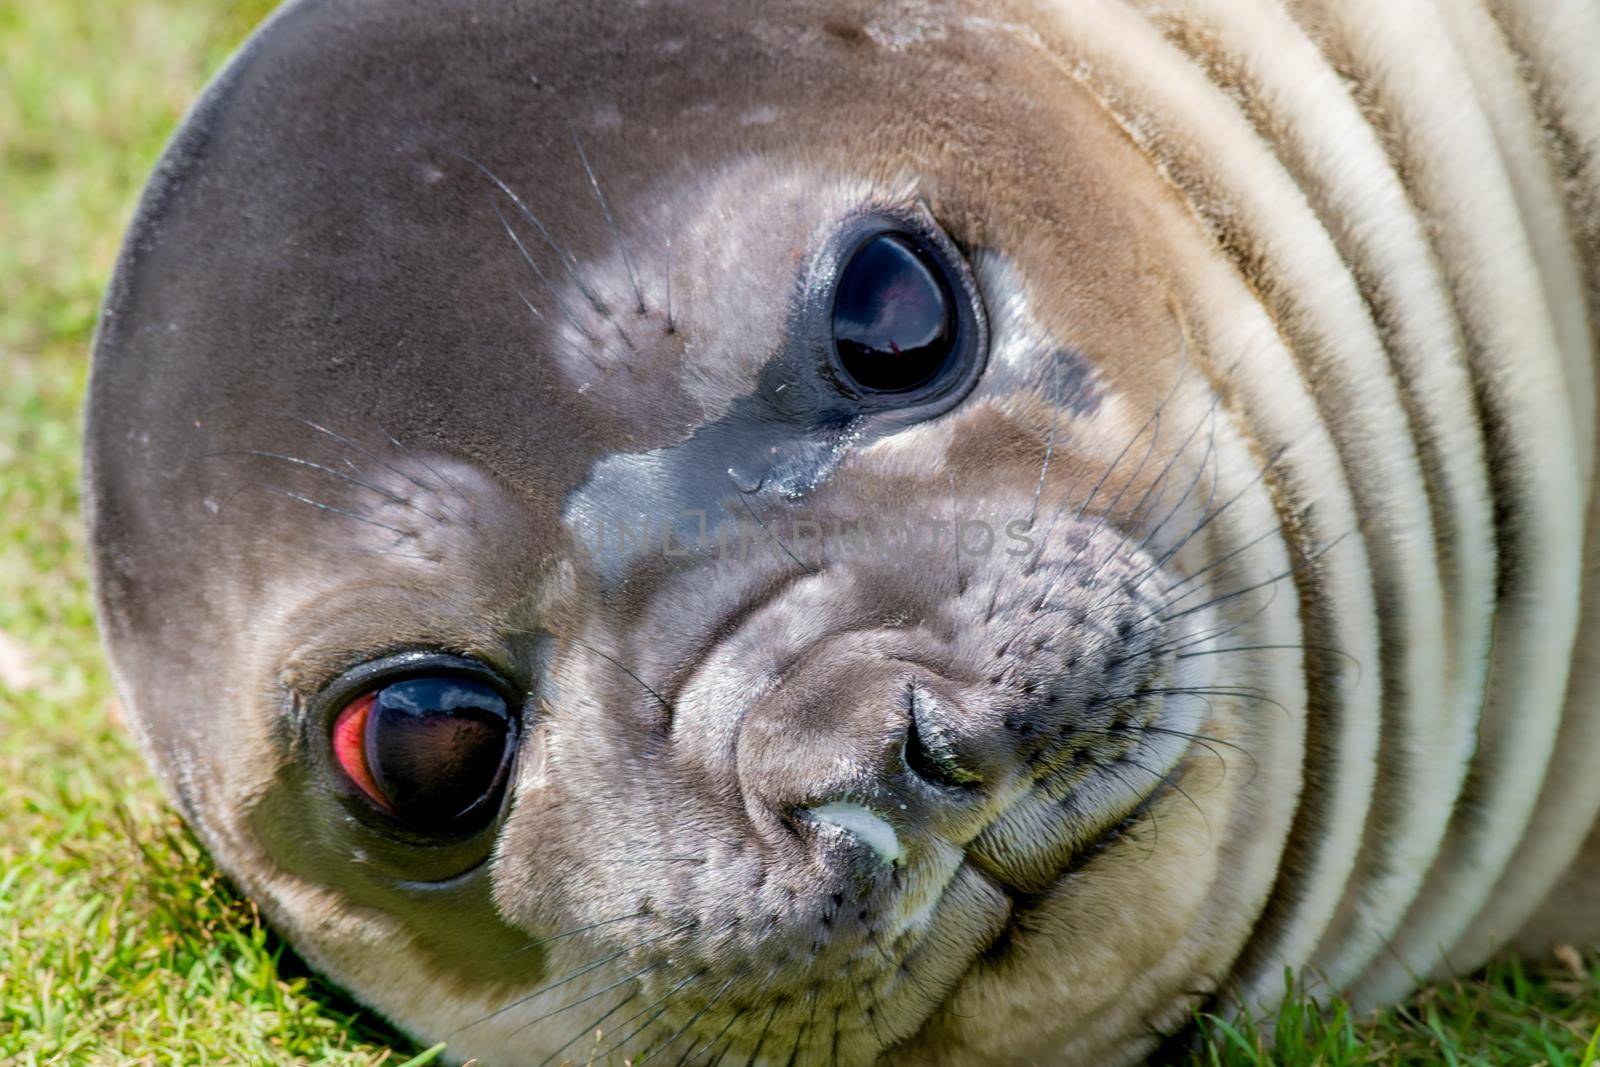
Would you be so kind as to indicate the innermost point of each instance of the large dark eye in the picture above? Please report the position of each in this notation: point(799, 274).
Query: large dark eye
point(894, 317)
point(430, 750)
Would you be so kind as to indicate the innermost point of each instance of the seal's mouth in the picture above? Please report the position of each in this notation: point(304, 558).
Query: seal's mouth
point(1053, 830)
point(1015, 892)
point(1090, 808)
point(1022, 905)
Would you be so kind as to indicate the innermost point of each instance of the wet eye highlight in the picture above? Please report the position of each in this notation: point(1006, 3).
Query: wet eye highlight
point(429, 750)
point(895, 323)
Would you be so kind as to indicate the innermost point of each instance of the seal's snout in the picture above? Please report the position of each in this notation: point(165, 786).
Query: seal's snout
point(864, 731)
point(885, 753)
point(846, 728)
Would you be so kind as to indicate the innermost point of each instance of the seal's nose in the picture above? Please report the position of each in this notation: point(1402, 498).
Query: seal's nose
point(861, 737)
point(945, 743)
point(838, 726)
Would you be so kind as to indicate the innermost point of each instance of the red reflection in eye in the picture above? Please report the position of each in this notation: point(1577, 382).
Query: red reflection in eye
point(349, 748)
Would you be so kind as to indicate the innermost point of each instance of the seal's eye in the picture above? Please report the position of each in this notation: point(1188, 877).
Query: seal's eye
point(430, 750)
point(894, 317)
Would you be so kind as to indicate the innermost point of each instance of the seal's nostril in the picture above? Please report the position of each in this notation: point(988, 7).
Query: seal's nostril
point(921, 761)
point(926, 754)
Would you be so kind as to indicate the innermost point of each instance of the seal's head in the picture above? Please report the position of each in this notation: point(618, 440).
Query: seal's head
point(698, 530)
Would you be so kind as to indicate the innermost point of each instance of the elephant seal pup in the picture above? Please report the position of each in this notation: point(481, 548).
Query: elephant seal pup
point(827, 533)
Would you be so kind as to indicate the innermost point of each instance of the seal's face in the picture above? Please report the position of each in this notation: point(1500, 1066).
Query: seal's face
point(758, 571)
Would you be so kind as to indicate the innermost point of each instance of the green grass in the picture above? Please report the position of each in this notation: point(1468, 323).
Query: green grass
point(119, 943)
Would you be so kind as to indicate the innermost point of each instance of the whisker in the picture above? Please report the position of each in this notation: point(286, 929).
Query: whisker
point(1138, 581)
point(429, 467)
point(800, 1034)
point(1214, 634)
point(1328, 650)
point(569, 263)
point(619, 665)
point(635, 976)
point(1145, 806)
point(762, 1040)
point(1169, 781)
point(1210, 745)
point(866, 1010)
point(583, 929)
point(227, 503)
point(672, 322)
point(539, 315)
point(715, 1041)
point(544, 279)
point(1137, 515)
point(1297, 568)
point(365, 451)
point(772, 973)
point(663, 1003)
point(669, 1042)
point(1215, 563)
point(378, 552)
point(1050, 441)
point(1110, 509)
point(555, 294)
point(329, 508)
point(776, 539)
point(1134, 729)
point(1094, 491)
point(611, 223)
point(527, 303)
point(594, 1027)
point(1206, 521)
point(1152, 423)
point(322, 468)
point(1200, 469)
point(575, 975)
point(1242, 693)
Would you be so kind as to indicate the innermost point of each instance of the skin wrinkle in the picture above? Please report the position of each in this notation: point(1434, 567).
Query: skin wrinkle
point(1422, 344)
point(1518, 723)
point(1569, 796)
point(1273, 967)
point(1279, 448)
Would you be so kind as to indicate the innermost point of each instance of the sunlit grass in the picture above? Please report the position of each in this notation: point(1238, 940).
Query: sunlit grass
point(119, 943)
